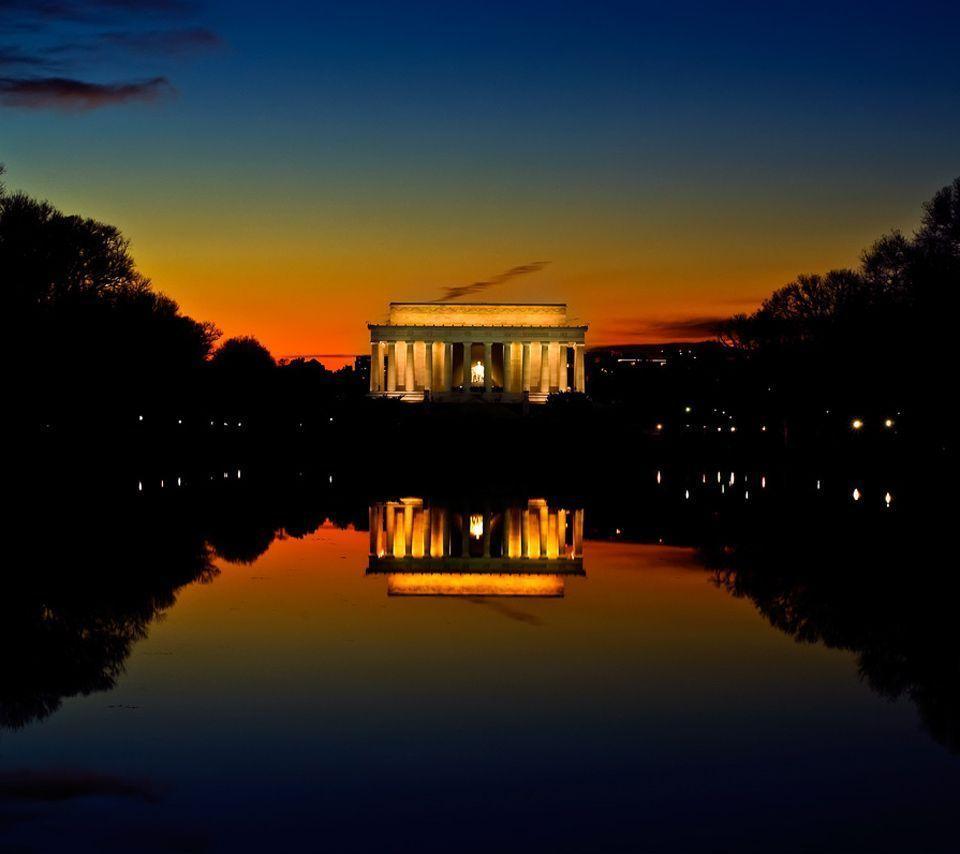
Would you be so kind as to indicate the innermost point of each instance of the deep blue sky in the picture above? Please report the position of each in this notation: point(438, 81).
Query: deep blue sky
point(272, 162)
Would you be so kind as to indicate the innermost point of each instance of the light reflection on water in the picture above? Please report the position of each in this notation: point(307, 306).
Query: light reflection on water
point(288, 693)
point(426, 548)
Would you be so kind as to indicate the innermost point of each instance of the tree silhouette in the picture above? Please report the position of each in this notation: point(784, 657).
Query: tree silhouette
point(873, 336)
point(88, 326)
point(243, 355)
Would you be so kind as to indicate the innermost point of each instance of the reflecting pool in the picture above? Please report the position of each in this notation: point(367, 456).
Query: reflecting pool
point(412, 672)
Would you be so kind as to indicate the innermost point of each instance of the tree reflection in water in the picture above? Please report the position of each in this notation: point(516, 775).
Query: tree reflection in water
point(883, 601)
point(69, 622)
point(71, 617)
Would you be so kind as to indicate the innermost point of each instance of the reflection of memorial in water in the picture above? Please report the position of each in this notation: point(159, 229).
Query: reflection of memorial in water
point(517, 549)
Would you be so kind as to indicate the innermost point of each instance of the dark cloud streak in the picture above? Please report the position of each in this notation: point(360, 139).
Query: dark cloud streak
point(11, 57)
point(456, 291)
point(52, 61)
point(70, 94)
point(164, 41)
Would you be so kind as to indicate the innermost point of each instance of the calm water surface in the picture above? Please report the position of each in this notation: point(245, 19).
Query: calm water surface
point(291, 702)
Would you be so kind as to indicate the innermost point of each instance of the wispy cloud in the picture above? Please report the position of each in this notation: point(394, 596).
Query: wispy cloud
point(163, 41)
point(457, 291)
point(69, 94)
point(11, 57)
point(63, 51)
point(89, 10)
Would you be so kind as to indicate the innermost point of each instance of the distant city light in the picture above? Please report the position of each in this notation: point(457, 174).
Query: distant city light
point(888, 499)
point(140, 418)
point(686, 493)
point(659, 426)
point(888, 423)
point(856, 494)
point(856, 424)
point(763, 428)
point(659, 477)
point(688, 409)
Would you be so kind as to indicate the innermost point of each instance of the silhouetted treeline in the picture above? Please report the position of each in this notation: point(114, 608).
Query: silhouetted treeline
point(88, 331)
point(868, 589)
point(872, 340)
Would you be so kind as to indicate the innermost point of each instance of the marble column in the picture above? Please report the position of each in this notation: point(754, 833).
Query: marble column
point(428, 366)
point(507, 366)
point(487, 367)
point(545, 368)
point(525, 367)
point(409, 385)
point(392, 366)
point(467, 345)
point(447, 366)
point(374, 361)
point(579, 374)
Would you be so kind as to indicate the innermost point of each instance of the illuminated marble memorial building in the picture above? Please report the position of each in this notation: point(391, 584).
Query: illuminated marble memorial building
point(427, 549)
point(502, 351)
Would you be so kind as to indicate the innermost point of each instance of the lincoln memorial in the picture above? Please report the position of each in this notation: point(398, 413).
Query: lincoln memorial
point(497, 351)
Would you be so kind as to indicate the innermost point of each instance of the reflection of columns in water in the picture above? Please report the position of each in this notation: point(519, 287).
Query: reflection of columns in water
point(409, 529)
point(418, 534)
point(553, 549)
point(512, 533)
point(544, 527)
point(437, 530)
point(375, 511)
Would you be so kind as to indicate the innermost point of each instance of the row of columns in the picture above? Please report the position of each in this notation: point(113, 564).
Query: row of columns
point(407, 528)
point(412, 366)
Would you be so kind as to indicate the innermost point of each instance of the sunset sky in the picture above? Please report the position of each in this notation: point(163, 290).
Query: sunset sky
point(286, 169)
